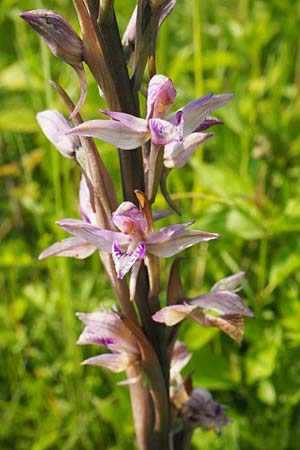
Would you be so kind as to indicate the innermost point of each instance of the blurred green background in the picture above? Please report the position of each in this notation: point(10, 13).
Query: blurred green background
point(244, 184)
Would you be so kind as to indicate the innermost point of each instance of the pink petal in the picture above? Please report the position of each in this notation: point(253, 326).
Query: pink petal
point(177, 155)
point(167, 242)
point(164, 132)
point(115, 133)
point(171, 315)
point(160, 96)
point(75, 247)
point(116, 362)
point(195, 111)
point(135, 123)
point(96, 236)
point(129, 219)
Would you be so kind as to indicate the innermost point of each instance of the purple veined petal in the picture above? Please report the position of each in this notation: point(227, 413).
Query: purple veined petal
point(124, 261)
point(160, 96)
point(164, 132)
point(233, 325)
point(208, 122)
point(85, 207)
point(195, 111)
point(74, 247)
point(93, 335)
point(132, 122)
point(113, 132)
point(116, 362)
point(107, 327)
point(96, 236)
point(129, 219)
point(177, 155)
point(223, 302)
point(171, 315)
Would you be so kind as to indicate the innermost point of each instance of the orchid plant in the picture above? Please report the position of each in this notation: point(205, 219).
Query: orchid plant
point(141, 333)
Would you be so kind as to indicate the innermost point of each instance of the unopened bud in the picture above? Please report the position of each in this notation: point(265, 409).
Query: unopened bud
point(54, 126)
point(60, 37)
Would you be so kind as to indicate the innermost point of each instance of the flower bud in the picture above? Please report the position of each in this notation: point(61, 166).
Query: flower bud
point(60, 37)
point(54, 126)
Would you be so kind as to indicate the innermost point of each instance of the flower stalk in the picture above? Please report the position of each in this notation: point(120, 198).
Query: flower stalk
point(140, 334)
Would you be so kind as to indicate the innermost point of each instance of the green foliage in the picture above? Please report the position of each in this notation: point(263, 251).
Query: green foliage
point(244, 184)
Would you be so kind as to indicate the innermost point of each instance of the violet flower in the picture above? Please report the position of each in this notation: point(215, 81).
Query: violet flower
point(224, 302)
point(107, 329)
point(128, 132)
point(127, 246)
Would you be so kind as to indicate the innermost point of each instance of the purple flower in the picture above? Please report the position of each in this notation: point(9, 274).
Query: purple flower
point(128, 132)
point(107, 329)
point(127, 246)
point(198, 409)
point(224, 302)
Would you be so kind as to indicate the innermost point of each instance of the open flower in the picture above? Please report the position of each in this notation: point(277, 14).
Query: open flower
point(128, 132)
point(224, 302)
point(107, 329)
point(127, 246)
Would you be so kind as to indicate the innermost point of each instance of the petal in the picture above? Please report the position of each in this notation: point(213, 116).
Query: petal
point(54, 126)
point(96, 236)
point(106, 328)
point(164, 132)
point(232, 283)
point(180, 358)
point(129, 219)
point(74, 247)
point(116, 362)
point(171, 315)
point(195, 111)
point(132, 122)
point(124, 261)
point(115, 133)
point(166, 244)
point(208, 122)
point(160, 96)
point(223, 302)
point(176, 154)
point(85, 207)
point(233, 325)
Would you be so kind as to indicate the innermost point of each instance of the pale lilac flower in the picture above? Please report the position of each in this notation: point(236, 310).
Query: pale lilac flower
point(198, 409)
point(128, 132)
point(127, 246)
point(107, 329)
point(224, 302)
point(55, 126)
